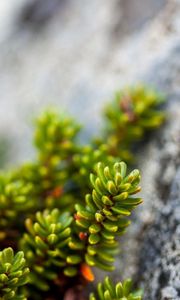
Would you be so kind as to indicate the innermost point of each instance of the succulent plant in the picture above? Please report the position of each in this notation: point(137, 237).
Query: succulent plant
point(64, 212)
point(121, 291)
point(104, 217)
point(133, 113)
point(13, 274)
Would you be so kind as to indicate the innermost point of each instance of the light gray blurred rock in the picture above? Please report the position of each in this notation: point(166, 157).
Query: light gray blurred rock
point(75, 63)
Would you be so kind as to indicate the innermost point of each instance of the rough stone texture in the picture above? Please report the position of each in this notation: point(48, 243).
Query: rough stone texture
point(159, 252)
point(78, 67)
point(162, 247)
point(153, 241)
point(153, 244)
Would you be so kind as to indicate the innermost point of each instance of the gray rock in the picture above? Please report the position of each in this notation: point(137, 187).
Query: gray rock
point(159, 245)
point(151, 248)
point(169, 293)
point(160, 252)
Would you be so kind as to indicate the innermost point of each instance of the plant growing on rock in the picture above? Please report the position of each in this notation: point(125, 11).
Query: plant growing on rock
point(63, 213)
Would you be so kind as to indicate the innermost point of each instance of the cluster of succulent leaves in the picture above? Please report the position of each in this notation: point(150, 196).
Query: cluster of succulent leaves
point(65, 210)
point(13, 274)
point(121, 291)
point(133, 113)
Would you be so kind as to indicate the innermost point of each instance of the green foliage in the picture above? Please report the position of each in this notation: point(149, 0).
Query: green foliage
point(84, 163)
point(105, 215)
point(45, 246)
point(15, 201)
point(55, 140)
point(13, 274)
point(129, 117)
point(121, 291)
point(40, 184)
point(66, 209)
point(55, 136)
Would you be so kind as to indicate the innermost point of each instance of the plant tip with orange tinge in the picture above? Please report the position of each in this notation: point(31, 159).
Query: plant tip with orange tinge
point(87, 272)
point(57, 192)
point(83, 236)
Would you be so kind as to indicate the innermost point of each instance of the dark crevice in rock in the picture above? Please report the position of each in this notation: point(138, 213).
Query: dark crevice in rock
point(169, 163)
point(38, 13)
point(163, 186)
point(132, 16)
point(163, 279)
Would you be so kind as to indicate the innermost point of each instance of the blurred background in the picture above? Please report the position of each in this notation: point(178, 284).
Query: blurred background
point(71, 54)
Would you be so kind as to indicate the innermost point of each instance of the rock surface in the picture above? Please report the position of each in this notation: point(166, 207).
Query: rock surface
point(154, 242)
point(159, 241)
point(160, 253)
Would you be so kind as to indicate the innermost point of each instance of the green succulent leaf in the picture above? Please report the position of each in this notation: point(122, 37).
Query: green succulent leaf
point(121, 291)
point(13, 274)
point(133, 113)
point(105, 215)
point(46, 247)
